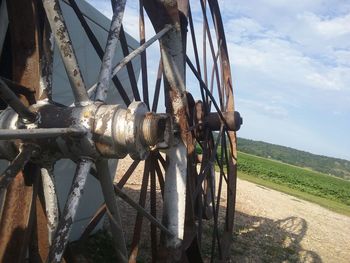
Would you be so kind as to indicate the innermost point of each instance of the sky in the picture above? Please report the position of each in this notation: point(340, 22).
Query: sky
point(290, 63)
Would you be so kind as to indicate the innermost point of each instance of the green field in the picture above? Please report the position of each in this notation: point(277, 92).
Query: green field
point(328, 191)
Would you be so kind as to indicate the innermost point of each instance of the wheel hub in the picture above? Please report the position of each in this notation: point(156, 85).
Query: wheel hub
point(109, 131)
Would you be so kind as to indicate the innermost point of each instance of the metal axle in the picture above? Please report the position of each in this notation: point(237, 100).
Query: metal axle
point(111, 131)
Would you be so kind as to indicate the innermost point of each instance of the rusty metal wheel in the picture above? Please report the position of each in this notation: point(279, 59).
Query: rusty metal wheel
point(36, 132)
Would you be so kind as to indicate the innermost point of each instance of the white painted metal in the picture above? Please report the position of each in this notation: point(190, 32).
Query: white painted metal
point(51, 204)
point(89, 63)
point(175, 194)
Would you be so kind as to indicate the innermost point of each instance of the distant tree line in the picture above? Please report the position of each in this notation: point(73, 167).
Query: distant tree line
point(328, 165)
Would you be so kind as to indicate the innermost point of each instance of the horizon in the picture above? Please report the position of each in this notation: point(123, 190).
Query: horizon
point(290, 69)
point(301, 150)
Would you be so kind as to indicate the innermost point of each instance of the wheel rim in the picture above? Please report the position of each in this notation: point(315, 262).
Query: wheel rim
point(178, 106)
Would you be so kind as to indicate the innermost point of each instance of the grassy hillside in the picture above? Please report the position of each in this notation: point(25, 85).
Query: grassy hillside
point(328, 191)
point(323, 164)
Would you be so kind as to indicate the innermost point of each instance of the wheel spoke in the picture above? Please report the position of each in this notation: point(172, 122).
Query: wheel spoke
point(66, 222)
point(102, 209)
point(143, 54)
point(112, 41)
point(143, 212)
point(139, 217)
point(51, 202)
point(160, 177)
point(95, 43)
point(136, 52)
point(64, 43)
point(40, 133)
point(129, 65)
point(3, 24)
point(128, 173)
point(46, 63)
point(207, 91)
point(112, 206)
point(157, 88)
point(208, 33)
point(26, 152)
point(203, 173)
point(11, 99)
point(153, 204)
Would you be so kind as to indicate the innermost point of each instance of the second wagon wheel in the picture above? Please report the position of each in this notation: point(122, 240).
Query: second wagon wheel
point(90, 132)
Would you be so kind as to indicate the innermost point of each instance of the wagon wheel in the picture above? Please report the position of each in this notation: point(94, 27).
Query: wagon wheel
point(91, 132)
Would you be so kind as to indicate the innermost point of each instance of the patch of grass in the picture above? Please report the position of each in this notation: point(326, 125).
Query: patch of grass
point(324, 202)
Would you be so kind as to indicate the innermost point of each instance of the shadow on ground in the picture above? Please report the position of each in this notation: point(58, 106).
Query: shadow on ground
point(255, 239)
point(259, 239)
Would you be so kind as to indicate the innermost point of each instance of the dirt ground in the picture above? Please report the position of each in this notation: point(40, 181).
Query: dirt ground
point(274, 227)
point(270, 226)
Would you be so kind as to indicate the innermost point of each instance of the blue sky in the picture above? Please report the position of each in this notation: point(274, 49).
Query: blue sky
point(290, 63)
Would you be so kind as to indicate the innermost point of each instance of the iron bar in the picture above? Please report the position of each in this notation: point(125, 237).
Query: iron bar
point(140, 49)
point(102, 209)
point(143, 54)
point(3, 24)
point(203, 5)
point(195, 50)
point(112, 42)
point(141, 210)
point(39, 133)
point(153, 205)
point(204, 45)
point(157, 88)
point(137, 52)
point(64, 43)
point(129, 66)
point(207, 91)
point(93, 222)
point(26, 152)
point(11, 99)
point(66, 222)
point(46, 63)
point(17, 88)
point(202, 174)
point(128, 173)
point(95, 43)
point(51, 202)
point(160, 177)
point(215, 229)
point(139, 216)
point(112, 206)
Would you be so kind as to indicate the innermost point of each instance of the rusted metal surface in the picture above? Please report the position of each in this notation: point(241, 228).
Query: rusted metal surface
point(64, 43)
point(65, 225)
point(227, 82)
point(16, 224)
point(213, 121)
point(112, 41)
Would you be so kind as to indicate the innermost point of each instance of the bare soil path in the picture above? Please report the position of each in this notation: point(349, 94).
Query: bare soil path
point(270, 226)
point(275, 227)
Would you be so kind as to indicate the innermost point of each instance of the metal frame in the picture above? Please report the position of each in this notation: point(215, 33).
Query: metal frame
point(89, 132)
